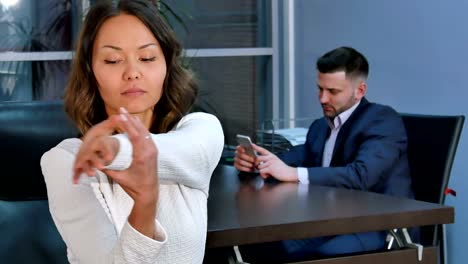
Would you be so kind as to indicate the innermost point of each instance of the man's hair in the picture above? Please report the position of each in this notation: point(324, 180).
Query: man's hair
point(346, 59)
point(82, 100)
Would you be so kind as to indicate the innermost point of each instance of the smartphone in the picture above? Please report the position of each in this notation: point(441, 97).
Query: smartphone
point(245, 142)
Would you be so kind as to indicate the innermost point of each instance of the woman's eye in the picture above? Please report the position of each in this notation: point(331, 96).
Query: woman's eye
point(110, 61)
point(148, 59)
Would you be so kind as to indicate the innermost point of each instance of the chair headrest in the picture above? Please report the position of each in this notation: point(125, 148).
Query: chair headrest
point(27, 130)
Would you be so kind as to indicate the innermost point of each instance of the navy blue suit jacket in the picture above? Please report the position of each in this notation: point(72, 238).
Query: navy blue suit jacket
point(370, 152)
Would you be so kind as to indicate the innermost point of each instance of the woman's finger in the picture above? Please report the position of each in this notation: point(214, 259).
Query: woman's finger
point(80, 161)
point(88, 168)
point(96, 160)
point(87, 148)
point(107, 148)
point(128, 124)
point(142, 134)
point(115, 175)
point(105, 128)
point(76, 175)
point(137, 133)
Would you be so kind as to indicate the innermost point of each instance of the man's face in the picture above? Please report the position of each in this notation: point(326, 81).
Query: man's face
point(337, 93)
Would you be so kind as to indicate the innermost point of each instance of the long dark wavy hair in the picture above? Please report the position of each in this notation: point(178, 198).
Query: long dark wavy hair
point(82, 100)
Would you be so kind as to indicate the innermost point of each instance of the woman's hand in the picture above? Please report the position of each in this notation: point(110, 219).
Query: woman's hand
point(98, 148)
point(140, 180)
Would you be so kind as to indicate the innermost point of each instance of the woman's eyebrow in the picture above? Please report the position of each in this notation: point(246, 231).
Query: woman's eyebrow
point(147, 45)
point(111, 47)
point(141, 47)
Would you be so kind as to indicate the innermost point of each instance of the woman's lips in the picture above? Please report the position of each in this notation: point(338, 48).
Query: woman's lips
point(133, 92)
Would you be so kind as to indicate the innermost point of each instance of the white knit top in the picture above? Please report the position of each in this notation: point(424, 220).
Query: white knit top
point(92, 216)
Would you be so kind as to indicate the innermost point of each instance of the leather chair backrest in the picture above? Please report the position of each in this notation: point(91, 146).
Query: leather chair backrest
point(27, 130)
point(432, 144)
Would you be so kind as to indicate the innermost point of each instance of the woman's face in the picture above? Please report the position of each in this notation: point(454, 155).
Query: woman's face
point(129, 67)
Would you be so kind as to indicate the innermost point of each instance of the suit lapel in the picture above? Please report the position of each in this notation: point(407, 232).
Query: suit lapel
point(346, 128)
point(319, 138)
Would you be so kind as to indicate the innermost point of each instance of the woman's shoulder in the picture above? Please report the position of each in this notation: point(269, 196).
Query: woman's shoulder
point(70, 145)
point(199, 115)
point(199, 118)
point(61, 154)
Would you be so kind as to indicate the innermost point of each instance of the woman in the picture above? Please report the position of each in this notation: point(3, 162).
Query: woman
point(149, 162)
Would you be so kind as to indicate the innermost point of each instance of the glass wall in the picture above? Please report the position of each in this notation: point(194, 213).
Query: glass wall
point(207, 24)
point(228, 45)
point(236, 94)
point(29, 31)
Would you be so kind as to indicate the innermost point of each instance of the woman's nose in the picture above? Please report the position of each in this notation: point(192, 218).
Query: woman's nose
point(132, 72)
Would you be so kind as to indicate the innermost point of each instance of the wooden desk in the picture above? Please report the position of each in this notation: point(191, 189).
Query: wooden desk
point(240, 212)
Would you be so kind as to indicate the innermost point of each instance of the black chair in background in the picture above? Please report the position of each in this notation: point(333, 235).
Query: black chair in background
point(432, 144)
point(27, 130)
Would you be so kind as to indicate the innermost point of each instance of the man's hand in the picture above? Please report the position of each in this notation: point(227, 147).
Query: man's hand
point(269, 164)
point(243, 161)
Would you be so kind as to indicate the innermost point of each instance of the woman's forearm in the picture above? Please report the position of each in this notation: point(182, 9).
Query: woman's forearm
point(142, 218)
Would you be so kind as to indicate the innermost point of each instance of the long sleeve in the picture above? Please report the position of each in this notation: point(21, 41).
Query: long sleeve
point(88, 230)
point(191, 152)
point(188, 154)
point(92, 216)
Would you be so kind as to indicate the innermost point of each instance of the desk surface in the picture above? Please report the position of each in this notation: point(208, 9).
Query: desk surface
point(245, 209)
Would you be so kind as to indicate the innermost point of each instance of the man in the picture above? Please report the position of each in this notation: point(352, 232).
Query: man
point(356, 145)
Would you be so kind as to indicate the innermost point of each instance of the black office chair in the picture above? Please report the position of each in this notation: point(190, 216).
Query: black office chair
point(27, 130)
point(432, 144)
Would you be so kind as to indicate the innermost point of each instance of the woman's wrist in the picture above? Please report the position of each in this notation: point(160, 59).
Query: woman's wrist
point(146, 196)
point(142, 218)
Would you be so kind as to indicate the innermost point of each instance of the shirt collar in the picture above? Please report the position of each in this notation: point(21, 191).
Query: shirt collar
point(340, 119)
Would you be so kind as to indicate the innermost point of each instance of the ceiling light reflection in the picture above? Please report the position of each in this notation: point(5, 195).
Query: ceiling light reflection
point(8, 3)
